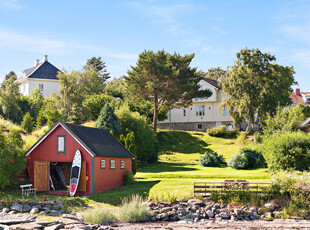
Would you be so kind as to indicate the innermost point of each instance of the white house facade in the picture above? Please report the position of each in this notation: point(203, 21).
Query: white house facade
point(42, 75)
point(202, 114)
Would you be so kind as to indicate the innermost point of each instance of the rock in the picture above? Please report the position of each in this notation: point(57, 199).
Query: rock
point(5, 210)
point(269, 214)
point(270, 206)
point(16, 207)
point(26, 226)
point(34, 210)
point(210, 213)
point(15, 221)
point(253, 209)
point(254, 217)
point(224, 215)
point(66, 221)
point(247, 219)
point(54, 227)
point(196, 220)
point(166, 209)
point(162, 216)
point(196, 202)
point(53, 213)
point(237, 211)
point(26, 208)
point(70, 216)
point(278, 214)
point(184, 213)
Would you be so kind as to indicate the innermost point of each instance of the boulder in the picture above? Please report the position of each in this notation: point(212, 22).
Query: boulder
point(224, 215)
point(5, 210)
point(196, 202)
point(16, 207)
point(26, 208)
point(54, 227)
point(210, 213)
point(237, 211)
point(254, 217)
point(53, 213)
point(270, 207)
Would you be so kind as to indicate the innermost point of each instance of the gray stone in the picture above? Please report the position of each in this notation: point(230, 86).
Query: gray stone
point(270, 206)
point(26, 208)
point(5, 210)
point(196, 202)
point(253, 209)
point(269, 214)
point(166, 209)
point(12, 212)
point(26, 226)
point(15, 221)
point(16, 207)
point(224, 215)
point(196, 220)
point(161, 216)
point(184, 213)
point(210, 213)
point(53, 213)
point(247, 219)
point(254, 217)
point(278, 213)
point(237, 211)
point(54, 227)
point(34, 210)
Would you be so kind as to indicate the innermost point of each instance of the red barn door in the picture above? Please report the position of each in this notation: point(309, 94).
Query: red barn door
point(41, 175)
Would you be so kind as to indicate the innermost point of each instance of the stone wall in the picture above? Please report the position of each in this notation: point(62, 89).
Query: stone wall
point(190, 126)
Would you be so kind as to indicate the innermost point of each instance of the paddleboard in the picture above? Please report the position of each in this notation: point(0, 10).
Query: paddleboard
point(75, 172)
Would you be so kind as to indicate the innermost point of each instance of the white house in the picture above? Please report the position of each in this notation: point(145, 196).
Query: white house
point(202, 114)
point(41, 75)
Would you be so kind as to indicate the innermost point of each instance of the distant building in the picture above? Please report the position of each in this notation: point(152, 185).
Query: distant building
point(41, 75)
point(202, 114)
point(300, 98)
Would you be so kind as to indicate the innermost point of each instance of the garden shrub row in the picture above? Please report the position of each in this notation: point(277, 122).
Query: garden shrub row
point(222, 131)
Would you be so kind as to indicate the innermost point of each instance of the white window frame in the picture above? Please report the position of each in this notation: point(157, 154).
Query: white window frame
point(61, 144)
point(112, 164)
point(198, 127)
point(122, 164)
point(102, 163)
point(200, 110)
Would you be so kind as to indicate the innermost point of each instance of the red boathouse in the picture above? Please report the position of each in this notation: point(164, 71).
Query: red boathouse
point(104, 159)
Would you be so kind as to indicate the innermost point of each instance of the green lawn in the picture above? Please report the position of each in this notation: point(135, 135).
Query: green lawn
point(178, 168)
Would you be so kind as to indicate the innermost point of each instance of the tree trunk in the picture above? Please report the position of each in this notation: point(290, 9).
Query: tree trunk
point(247, 129)
point(155, 116)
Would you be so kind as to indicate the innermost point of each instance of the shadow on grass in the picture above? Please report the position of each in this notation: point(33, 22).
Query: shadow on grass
point(179, 141)
point(166, 167)
point(116, 195)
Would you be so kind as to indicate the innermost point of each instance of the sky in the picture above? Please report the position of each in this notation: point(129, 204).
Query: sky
point(70, 32)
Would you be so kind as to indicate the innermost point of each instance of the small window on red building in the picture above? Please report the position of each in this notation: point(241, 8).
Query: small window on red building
point(61, 140)
point(102, 164)
point(122, 164)
point(112, 164)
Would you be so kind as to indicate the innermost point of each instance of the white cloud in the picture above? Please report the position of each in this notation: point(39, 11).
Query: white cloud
point(11, 4)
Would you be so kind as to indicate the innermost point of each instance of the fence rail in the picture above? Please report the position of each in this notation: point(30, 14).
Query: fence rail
point(206, 188)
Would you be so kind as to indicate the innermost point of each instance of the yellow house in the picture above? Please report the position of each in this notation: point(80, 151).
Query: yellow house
point(202, 114)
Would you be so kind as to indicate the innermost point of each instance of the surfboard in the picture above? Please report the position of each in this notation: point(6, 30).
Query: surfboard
point(75, 172)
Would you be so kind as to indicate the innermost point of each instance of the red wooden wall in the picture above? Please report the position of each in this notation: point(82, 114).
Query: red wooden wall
point(107, 178)
point(47, 151)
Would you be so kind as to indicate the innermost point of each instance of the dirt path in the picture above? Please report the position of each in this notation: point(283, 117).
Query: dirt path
point(258, 224)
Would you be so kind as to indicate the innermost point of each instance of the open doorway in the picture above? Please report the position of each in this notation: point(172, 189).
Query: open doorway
point(60, 175)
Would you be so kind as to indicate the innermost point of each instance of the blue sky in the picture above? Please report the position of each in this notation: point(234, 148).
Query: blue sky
point(70, 32)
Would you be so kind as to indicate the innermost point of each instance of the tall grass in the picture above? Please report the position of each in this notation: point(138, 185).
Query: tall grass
point(8, 125)
point(133, 209)
point(98, 215)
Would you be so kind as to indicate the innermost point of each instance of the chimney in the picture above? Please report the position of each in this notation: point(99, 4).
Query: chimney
point(44, 58)
point(36, 62)
point(297, 91)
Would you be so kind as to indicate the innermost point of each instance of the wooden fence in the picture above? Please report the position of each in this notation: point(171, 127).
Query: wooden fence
point(206, 188)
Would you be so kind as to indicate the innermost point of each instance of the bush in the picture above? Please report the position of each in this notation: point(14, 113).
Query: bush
point(95, 103)
point(246, 160)
point(98, 215)
point(287, 150)
point(13, 160)
point(128, 178)
point(133, 210)
point(211, 159)
point(221, 131)
point(27, 123)
point(145, 138)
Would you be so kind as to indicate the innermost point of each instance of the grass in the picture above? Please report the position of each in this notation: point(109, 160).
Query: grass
point(133, 209)
point(98, 214)
point(8, 125)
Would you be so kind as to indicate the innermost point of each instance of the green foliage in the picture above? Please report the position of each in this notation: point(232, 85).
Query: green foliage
point(133, 210)
point(257, 86)
point(41, 119)
point(287, 150)
point(145, 138)
point(27, 123)
point(98, 66)
point(108, 120)
point(221, 131)
point(116, 88)
point(130, 144)
point(98, 215)
point(247, 159)
point(95, 103)
point(128, 178)
point(284, 120)
point(13, 160)
point(165, 79)
point(52, 116)
point(211, 159)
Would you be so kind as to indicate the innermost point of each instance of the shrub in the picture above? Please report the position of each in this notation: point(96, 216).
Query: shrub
point(98, 215)
point(95, 103)
point(287, 150)
point(221, 131)
point(128, 178)
point(212, 159)
point(41, 119)
point(133, 210)
point(246, 160)
point(27, 123)
point(108, 120)
point(52, 115)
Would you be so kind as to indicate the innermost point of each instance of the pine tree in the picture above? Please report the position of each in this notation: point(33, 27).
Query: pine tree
point(41, 120)
point(108, 120)
point(27, 123)
point(130, 144)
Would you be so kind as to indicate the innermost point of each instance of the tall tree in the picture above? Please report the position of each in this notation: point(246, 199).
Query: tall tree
point(166, 80)
point(214, 73)
point(97, 65)
point(256, 86)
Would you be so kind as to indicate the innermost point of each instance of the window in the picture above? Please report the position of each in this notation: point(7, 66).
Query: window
point(61, 143)
point(102, 164)
point(122, 164)
point(199, 127)
point(200, 110)
point(41, 87)
point(112, 164)
point(184, 112)
point(226, 112)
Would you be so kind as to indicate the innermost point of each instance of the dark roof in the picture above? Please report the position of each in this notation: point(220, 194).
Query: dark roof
point(100, 141)
point(44, 70)
point(213, 82)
